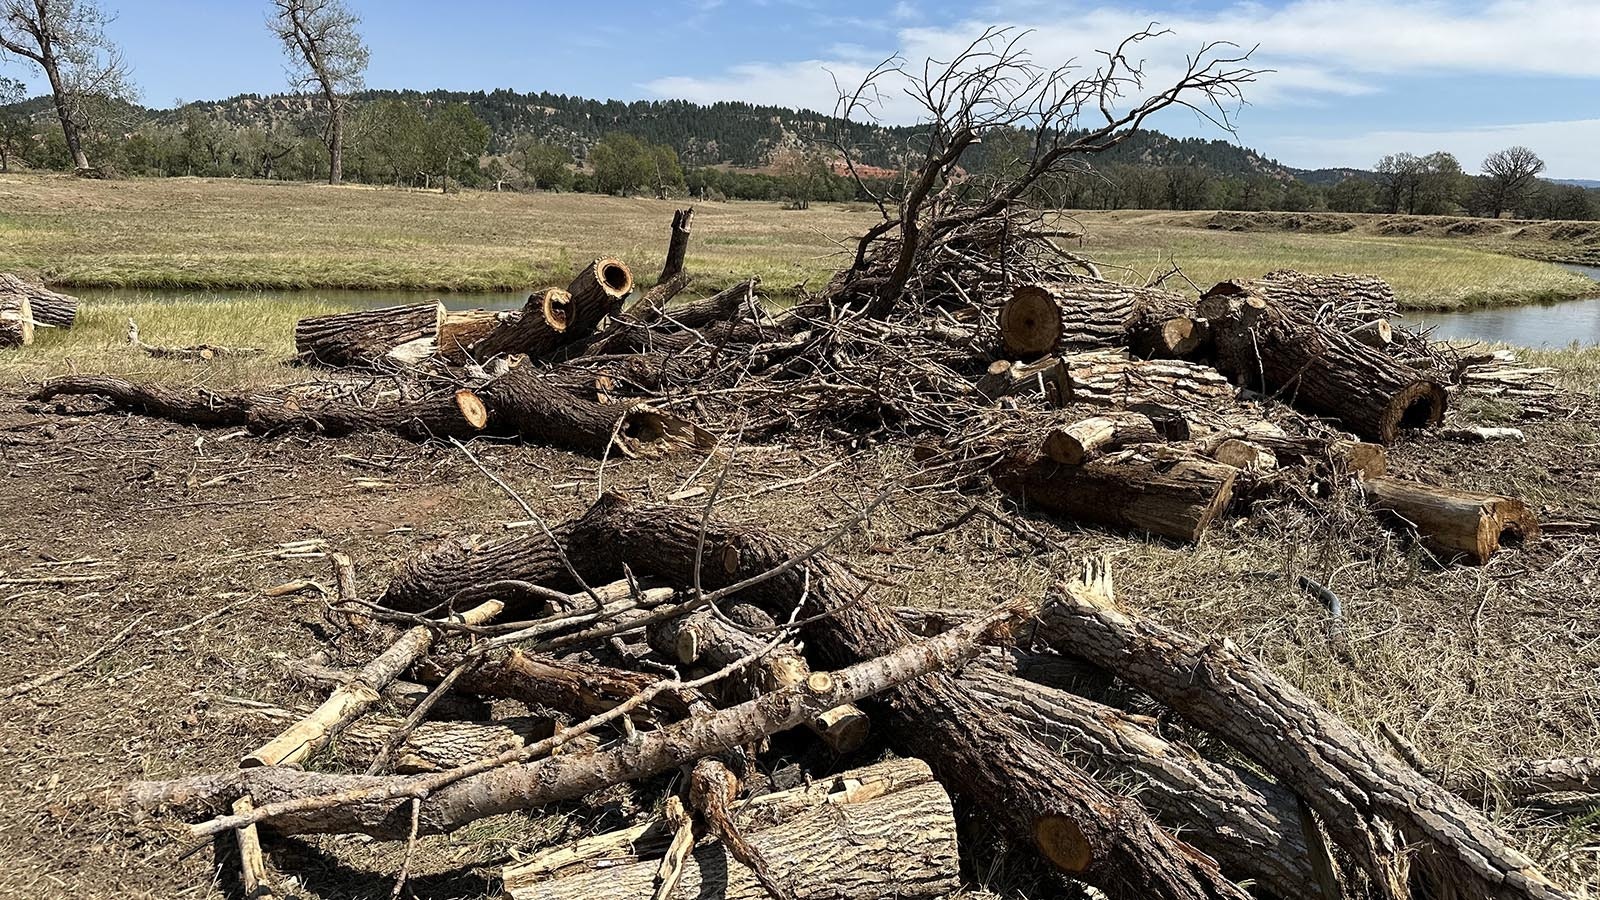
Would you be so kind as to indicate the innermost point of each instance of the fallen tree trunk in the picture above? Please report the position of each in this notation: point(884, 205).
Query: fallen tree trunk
point(1336, 297)
point(1172, 497)
point(16, 319)
point(1251, 826)
point(1040, 319)
point(1038, 797)
point(461, 330)
point(704, 636)
point(1110, 378)
point(1452, 522)
point(296, 802)
point(567, 686)
point(431, 577)
point(1086, 439)
point(1372, 804)
point(677, 245)
point(366, 336)
point(885, 834)
point(432, 746)
point(1522, 780)
point(1275, 349)
point(46, 307)
point(538, 328)
point(193, 353)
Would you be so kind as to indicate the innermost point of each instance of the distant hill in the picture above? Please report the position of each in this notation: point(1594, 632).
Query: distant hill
point(1587, 183)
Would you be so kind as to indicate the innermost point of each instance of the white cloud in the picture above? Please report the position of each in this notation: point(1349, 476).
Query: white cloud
point(1567, 147)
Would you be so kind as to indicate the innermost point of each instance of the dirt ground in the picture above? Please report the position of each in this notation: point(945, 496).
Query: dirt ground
point(107, 521)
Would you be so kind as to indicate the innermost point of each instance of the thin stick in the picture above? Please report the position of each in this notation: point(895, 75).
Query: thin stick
point(411, 849)
point(17, 690)
point(203, 619)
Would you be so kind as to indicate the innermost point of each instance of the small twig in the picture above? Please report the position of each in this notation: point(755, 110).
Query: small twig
point(39, 682)
point(203, 619)
point(411, 848)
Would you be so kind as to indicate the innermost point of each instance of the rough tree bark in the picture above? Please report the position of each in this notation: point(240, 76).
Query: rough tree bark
point(538, 328)
point(1372, 804)
point(366, 336)
point(1040, 319)
point(47, 307)
point(677, 246)
point(1079, 442)
point(1455, 523)
point(1337, 297)
point(16, 319)
point(1273, 348)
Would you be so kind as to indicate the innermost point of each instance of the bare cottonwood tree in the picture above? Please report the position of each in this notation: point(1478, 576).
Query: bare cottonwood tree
point(1510, 174)
point(324, 51)
point(66, 39)
point(993, 86)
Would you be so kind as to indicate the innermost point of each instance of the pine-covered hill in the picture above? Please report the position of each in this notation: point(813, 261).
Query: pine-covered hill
point(741, 135)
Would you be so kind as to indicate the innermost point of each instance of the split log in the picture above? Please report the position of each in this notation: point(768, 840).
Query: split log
point(460, 330)
point(1175, 497)
point(1041, 319)
point(893, 836)
point(355, 697)
point(296, 802)
point(1317, 369)
point(46, 307)
point(703, 636)
point(194, 353)
point(1092, 438)
point(1038, 797)
point(1452, 522)
point(1377, 808)
point(16, 319)
point(1048, 376)
point(1251, 826)
point(677, 246)
point(366, 336)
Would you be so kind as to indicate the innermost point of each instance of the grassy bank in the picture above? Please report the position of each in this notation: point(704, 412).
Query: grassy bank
point(220, 234)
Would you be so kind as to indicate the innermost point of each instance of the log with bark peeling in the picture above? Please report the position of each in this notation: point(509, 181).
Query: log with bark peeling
point(1037, 796)
point(1078, 442)
point(887, 831)
point(432, 746)
point(296, 802)
point(1455, 523)
point(365, 337)
point(1040, 319)
point(46, 307)
point(1378, 809)
point(1273, 348)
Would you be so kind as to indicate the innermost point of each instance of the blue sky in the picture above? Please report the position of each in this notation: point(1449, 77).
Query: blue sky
point(1355, 78)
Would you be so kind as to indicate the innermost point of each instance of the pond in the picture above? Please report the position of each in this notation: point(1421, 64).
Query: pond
point(1534, 325)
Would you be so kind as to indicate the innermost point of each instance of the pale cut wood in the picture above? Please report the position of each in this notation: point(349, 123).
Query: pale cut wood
point(1091, 438)
point(899, 844)
point(46, 307)
point(1245, 455)
point(1047, 376)
point(16, 319)
point(431, 746)
point(464, 328)
point(548, 320)
point(355, 697)
point(1378, 333)
point(366, 336)
point(1113, 378)
point(1452, 522)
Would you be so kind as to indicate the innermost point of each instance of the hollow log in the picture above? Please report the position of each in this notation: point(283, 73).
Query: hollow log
point(1377, 808)
point(1251, 826)
point(45, 307)
point(541, 326)
point(703, 636)
point(1043, 318)
point(1092, 438)
point(1455, 523)
point(1172, 497)
point(597, 292)
point(1039, 798)
point(880, 839)
point(366, 336)
point(296, 802)
point(677, 245)
point(16, 319)
point(1317, 369)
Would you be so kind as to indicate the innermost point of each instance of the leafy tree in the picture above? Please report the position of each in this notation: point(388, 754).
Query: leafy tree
point(542, 165)
point(1353, 194)
point(15, 129)
point(324, 50)
point(805, 176)
point(1440, 185)
point(393, 138)
point(622, 164)
point(1509, 175)
point(456, 139)
point(66, 40)
point(1399, 178)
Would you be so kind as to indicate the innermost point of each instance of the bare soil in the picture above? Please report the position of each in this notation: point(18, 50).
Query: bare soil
point(107, 520)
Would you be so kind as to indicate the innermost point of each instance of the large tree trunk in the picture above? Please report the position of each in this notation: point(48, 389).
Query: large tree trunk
point(886, 832)
point(1455, 523)
point(296, 802)
point(1248, 824)
point(678, 246)
point(1376, 807)
point(1317, 369)
point(366, 336)
point(1171, 497)
point(538, 328)
point(1040, 798)
point(1040, 319)
point(1334, 297)
point(47, 307)
point(16, 319)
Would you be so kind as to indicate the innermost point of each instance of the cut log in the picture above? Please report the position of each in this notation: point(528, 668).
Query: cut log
point(677, 246)
point(1091, 438)
point(462, 329)
point(1377, 334)
point(1111, 378)
point(703, 636)
point(542, 325)
point(46, 307)
point(1047, 376)
point(364, 337)
point(1039, 798)
point(857, 835)
point(1377, 808)
point(1452, 522)
point(568, 686)
point(1317, 369)
point(1245, 455)
point(296, 802)
point(1334, 297)
point(1249, 825)
point(16, 319)
point(1041, 319)
point(1174, 497)
point(597, 292)
point(432, 746)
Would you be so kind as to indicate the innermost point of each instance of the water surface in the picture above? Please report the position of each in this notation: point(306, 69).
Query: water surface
point(1532, 325)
